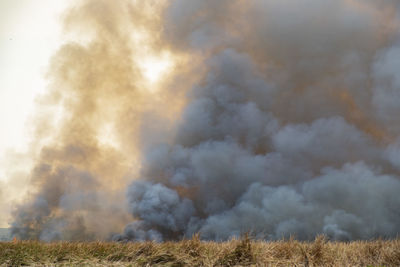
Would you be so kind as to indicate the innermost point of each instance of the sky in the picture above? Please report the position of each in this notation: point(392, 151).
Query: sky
point(29, 35)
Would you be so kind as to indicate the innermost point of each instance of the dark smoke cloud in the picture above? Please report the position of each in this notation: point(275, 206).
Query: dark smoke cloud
point(283, 121)
point(289, 133)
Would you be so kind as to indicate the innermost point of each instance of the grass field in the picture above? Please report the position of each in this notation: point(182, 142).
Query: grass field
point(198, 253)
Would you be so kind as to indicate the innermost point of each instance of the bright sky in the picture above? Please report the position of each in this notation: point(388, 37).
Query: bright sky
point(30, 33)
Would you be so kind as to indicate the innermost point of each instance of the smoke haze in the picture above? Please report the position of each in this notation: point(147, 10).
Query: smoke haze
point(274, 117)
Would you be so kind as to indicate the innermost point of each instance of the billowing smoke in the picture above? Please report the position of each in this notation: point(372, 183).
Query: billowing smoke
point(86, 146)
point(279, 118)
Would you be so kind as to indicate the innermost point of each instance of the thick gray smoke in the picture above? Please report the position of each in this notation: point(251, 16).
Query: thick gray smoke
point(277, 117)
point(294, 129)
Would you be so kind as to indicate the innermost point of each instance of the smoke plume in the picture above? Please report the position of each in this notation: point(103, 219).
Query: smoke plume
point(277, 118)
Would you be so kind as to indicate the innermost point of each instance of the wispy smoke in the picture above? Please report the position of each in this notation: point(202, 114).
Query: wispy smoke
point(89, 123)
point(289, 124)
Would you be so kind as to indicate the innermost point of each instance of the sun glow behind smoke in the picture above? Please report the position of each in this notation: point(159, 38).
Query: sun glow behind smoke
point(154, 68)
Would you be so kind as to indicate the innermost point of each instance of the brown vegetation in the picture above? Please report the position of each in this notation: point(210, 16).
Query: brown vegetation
point(194, 252)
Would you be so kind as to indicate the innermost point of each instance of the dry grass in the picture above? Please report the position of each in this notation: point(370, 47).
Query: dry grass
point(194, 252)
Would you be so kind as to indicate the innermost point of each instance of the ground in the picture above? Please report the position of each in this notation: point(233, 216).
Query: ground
point(194, 252)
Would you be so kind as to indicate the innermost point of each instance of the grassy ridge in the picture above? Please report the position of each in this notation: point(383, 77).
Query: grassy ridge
point(197, 253)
